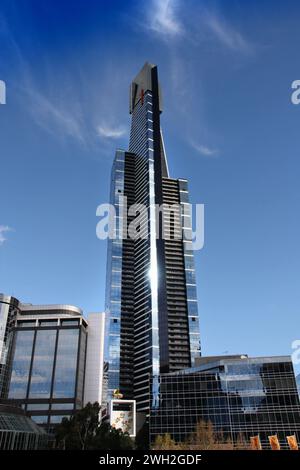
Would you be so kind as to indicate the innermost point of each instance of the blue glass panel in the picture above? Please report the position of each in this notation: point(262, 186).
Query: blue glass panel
point(41, 376)
point(190, 277)
point(21, 364)
point(66, 363)
point(191, 292)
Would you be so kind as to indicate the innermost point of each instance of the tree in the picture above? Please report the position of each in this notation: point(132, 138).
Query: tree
point(83, 431)
point(165, 442)
point(77, 431)
point(109, 438)
point(203, 438)
point(241, 443)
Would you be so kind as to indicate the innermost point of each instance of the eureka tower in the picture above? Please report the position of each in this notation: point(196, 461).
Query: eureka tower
point(151, 301)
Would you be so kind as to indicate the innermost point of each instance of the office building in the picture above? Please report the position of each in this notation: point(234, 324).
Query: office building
point(48, 362)
point(240, 396)
point(151, 301)
point(51, 359)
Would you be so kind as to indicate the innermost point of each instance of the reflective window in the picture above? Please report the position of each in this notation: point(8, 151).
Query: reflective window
point(62, 406)
point(58, 419)
point(183, 185)
point(190, 277)
point(184, 197)
point(69, 322)
point(188, 247)
point(192, 307)
point(115, 308)
point(189, 262)
point(48, 322)
point(191, 292)
point(66, 363)
point(116, 277)
point(25, 323)
point(115, 326)
point(40, 419)
point(81, 364)
point(41, 376)
point(115, 292)
point(114, 351)
point(38, 406)
point(4, 310)
point(21, 364)
point(186, 221)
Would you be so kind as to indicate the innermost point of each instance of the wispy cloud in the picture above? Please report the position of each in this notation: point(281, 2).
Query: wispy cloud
point(65, 101)
point(109, 132)
point(55, 117)
point(3, 230)
point(188, 59)
point(162, 18)
point(226, 33)
point(204, 150)
point(204, 25)
point(49, 108)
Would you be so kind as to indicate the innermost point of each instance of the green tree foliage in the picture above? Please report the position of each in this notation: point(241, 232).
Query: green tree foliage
point(83, 431)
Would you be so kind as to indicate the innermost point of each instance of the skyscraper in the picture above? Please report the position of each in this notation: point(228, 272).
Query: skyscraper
point(151, 301)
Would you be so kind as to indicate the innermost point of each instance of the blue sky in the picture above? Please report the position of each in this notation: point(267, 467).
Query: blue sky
point(226, 69)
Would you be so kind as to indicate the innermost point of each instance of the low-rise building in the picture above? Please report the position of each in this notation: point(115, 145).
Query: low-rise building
point(51, 359)
point(242, 397)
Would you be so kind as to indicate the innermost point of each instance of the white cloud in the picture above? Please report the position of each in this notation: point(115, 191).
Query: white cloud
point(54, 117)
point(202, 25)
point(204, 150)
point(110, 132)
point(54, 109)
point(3, 230)
point(226, 34)
point(162, 18)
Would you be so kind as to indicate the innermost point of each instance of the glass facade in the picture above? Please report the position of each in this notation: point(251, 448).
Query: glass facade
point(18, 432)
point(48, 365)
point(239, 397)
point(8, 312)
point(66, 364)
point(21, 364)
point(146, 277)
point(42, 364)
point(113, 284)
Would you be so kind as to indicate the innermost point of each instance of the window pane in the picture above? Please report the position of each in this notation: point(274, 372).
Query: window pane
point(21, 364)
point(48, 322)
point(41, 377)
point(26, 323)
point(58, 419)
point(62, 406)
point(66, 363)
point(81, 364)
point(39, 419)
point(70, 322)
point(38, 407)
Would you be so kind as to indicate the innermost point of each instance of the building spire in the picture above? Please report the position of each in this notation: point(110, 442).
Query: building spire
point(141, 84)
